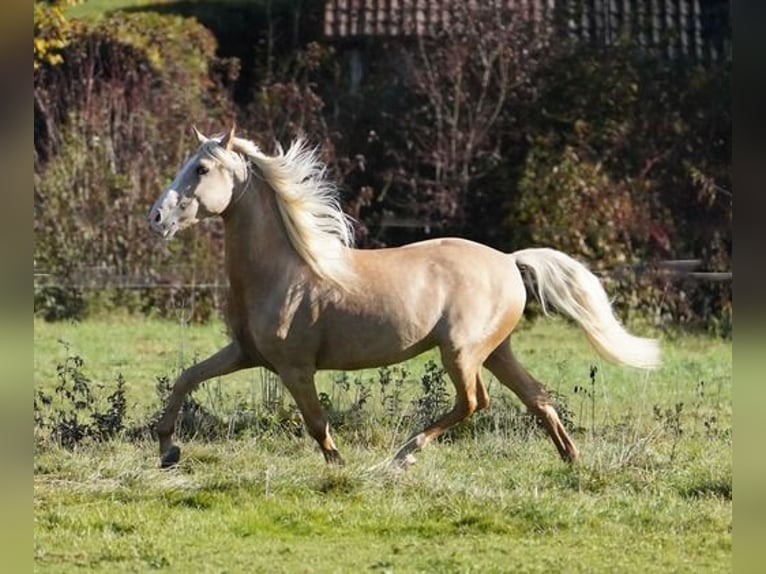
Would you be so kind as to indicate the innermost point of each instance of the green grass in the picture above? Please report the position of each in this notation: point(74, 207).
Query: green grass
point(96, 8)
point(90, 9)
point(253, 507)
point(652, 493)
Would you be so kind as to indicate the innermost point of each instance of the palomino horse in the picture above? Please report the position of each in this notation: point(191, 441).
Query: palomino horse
point(302, 299)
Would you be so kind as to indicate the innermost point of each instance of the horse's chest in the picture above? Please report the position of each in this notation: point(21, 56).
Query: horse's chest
point(279, 329)
point(239, 325)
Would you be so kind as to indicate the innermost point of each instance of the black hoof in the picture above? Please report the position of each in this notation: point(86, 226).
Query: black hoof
point(171, 457)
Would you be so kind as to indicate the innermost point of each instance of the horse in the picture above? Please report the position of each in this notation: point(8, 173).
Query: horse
point(302, 298)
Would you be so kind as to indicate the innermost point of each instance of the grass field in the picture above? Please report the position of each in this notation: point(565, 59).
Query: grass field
point(95, 8)
point(652, 493)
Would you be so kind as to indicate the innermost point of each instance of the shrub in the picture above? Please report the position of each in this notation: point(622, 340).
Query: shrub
point(51, 31)
point(77, 410)
point(111, 126)
point(629, 165)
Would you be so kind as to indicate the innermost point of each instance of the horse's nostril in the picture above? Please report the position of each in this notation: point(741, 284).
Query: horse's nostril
point(157, 216)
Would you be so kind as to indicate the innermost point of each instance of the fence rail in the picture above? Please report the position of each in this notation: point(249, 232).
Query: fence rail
point(105, 277)
point(696, 29)
point(91, 279)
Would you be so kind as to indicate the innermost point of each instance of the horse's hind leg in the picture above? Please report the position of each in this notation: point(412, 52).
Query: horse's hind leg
point(470, 395)
point(227, 360)
point(509, 372)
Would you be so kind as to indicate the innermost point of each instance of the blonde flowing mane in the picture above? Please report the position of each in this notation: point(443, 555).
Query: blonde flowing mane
point(318, 229)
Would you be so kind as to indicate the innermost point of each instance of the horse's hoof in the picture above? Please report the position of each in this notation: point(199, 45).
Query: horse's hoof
point(333, 457)
point(404, 462)
point(170, 457)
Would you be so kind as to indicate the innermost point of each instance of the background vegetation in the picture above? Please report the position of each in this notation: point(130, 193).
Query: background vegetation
point(489, 131)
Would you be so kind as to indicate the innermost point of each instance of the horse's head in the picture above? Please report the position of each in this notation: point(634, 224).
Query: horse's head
point(203, 187)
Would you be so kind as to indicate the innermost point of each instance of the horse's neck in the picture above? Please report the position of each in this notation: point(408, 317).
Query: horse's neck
point(257, 246)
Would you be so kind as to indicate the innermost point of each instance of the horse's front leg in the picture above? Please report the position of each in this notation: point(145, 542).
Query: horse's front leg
point(227, 360)
point(301, 385)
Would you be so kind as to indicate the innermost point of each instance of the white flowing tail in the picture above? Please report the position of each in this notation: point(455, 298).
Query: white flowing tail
point(571, 288)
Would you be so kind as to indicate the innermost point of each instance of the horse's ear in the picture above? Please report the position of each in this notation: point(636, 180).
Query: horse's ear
point(200, 137)
point(228, 139)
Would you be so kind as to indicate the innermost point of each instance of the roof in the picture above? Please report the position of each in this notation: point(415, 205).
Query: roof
point(357, 18)
point(697, 28)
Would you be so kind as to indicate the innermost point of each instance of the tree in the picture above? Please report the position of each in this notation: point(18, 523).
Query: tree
point(464, 77)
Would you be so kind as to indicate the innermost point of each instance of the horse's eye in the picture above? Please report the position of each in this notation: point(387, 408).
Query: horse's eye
point(202, 170)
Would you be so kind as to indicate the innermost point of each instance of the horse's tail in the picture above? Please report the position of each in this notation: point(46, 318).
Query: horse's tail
point(571, 288)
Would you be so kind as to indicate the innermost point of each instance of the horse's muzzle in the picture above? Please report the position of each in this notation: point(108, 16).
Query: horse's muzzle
point(159, 224)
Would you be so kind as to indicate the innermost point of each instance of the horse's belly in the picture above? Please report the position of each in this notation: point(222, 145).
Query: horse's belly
point(369, 344)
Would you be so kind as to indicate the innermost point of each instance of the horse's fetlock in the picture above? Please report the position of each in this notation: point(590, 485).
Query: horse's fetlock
point(482, 403)
point(471, 405)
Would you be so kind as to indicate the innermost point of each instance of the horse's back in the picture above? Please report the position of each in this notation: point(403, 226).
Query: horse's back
point(453, 252)
point(444, 265)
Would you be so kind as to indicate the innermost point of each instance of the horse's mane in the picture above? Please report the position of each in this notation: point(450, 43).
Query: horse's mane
point(318, 229)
